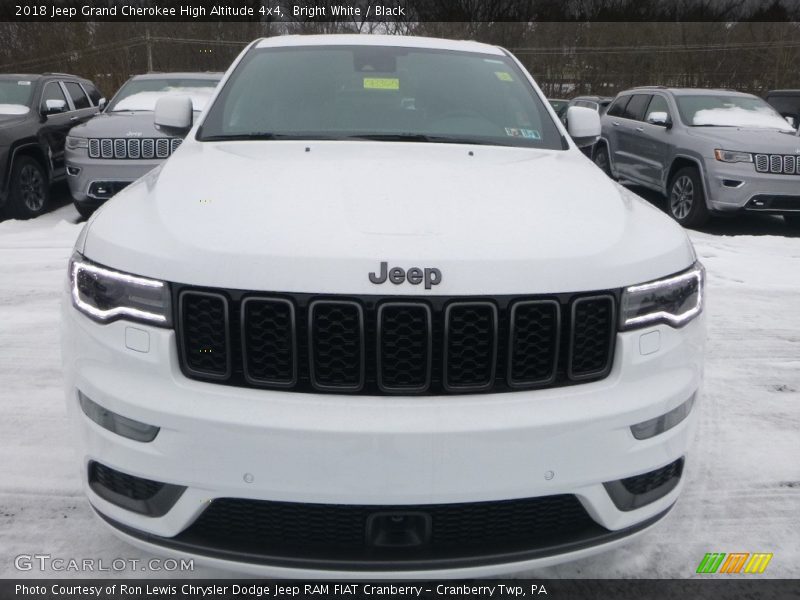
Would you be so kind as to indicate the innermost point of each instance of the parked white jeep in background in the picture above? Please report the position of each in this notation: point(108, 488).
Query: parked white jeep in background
point(379, 316)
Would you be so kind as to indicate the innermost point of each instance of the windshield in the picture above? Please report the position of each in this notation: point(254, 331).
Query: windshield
point(380, 92)
point(729, 111)
point(15, 96)
point(142, 94)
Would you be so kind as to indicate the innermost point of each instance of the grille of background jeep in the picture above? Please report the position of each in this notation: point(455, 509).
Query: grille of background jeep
point(133, 148)
point(378, 345)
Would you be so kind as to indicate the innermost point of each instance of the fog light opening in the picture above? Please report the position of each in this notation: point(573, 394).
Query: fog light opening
point(657, 426)
point(128, 428)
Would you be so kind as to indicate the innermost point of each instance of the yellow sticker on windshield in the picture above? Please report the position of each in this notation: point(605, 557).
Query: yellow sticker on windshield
point(503, 76)
point(381, 83)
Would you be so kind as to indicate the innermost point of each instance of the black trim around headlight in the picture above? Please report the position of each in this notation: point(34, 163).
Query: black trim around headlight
point(106, 295)
point(673, 300)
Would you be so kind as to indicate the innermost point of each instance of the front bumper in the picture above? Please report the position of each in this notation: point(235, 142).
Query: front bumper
point(738, 187)
point(226, 442)
point(92, 181)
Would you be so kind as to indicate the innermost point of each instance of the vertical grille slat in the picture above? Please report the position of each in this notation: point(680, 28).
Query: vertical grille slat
point(204, 323)
point(535, 329)
point(134, 148)
point(94, 148)
point(148, 148)
point(404, 348)
point(470, 346)
point(336, 345)
point(591, 337)
point(120, 149)
point(107, 148)
point(162, 147)
point(269, 351)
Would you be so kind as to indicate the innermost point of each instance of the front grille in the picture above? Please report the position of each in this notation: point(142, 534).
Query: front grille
point(378, 345)
point(779, 164)
point(133, 148)
point(129, 486)
point(647, 482)
point(340, 531)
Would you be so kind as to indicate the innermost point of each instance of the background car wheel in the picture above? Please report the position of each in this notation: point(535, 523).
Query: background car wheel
point(84, 211)
point(29, 189)
point(686, 201)
point(601, 159)
point(792, 221)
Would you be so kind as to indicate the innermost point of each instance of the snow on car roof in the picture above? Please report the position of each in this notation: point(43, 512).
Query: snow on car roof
point(377, 40)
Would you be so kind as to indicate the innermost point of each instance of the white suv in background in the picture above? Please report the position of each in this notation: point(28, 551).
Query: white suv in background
point(378, 316)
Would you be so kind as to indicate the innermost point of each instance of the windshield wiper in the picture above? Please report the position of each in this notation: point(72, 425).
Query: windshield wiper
point(418, 137)
point(264, 135)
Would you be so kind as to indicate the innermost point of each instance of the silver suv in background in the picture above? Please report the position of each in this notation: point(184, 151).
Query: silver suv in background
point(120, 145)
point(708, 151)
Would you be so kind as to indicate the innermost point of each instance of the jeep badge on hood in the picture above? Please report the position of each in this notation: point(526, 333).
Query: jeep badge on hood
point(414, 276)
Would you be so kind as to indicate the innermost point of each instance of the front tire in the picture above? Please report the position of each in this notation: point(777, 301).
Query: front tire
point(29, 189)
point(686, 201)
point(601, 159)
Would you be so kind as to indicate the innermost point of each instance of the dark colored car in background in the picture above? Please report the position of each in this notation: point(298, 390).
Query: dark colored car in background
point(36, 113)
point(786, 102)
point(559, 105)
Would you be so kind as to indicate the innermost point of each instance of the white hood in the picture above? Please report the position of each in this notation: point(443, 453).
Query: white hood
point(320, 216)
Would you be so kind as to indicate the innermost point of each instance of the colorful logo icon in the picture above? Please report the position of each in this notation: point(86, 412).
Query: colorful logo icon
point(736, 562)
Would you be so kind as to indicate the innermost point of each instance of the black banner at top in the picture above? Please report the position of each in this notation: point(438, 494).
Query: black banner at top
point(399, 10)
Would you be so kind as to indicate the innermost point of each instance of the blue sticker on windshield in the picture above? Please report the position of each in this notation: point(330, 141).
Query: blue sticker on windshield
point(531, 134)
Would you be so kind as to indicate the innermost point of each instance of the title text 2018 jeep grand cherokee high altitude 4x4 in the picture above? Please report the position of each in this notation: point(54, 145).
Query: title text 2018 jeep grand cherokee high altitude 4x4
point(378, 315)
point(708, 151)
point(36, 112)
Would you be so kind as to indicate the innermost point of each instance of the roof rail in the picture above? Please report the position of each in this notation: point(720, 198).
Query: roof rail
point(63, 75)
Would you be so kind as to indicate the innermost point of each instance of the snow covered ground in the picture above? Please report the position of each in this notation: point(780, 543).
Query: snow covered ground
point(743, 493)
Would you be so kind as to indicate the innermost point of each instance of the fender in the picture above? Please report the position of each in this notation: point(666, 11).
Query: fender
point(698, 163)
point(21, 145)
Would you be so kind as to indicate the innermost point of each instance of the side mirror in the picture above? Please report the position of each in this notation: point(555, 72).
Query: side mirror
point(659, 118)
point(54, 107)
point(101, 104)
point(583, 125)
point(790, 120)
point(173, 115)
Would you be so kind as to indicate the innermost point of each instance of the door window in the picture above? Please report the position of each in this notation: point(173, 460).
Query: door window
point(52, 91)
point(618, 107)
point(635, 108)
point(657, 105)
point(79, 98)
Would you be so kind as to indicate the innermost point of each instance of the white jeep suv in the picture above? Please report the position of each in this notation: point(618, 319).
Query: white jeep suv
point(379, 316)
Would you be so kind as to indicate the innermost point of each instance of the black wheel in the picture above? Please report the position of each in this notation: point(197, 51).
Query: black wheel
point(686, 201)
point(601, 159)
point(792, 221)
point(29, 189)
point(84, 211)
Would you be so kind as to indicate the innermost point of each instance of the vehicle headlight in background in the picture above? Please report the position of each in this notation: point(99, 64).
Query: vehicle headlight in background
point(674, 300)
point(106, 295)
point(75, 143)
point(732, 156)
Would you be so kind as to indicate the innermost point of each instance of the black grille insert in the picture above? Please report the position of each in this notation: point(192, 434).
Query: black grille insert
point(533, 342)
point(341, 531)
point(268, 341)
point(377, 345)
point(205, 334)
point(336, 345)
point(593, 329)
point(470, 346)
point(405, 339)
point(136, 494)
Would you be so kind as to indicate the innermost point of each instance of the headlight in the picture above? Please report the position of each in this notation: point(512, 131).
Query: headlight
point(106, 295)
point(75, 143)
point(674, 300)
point(732, 156)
